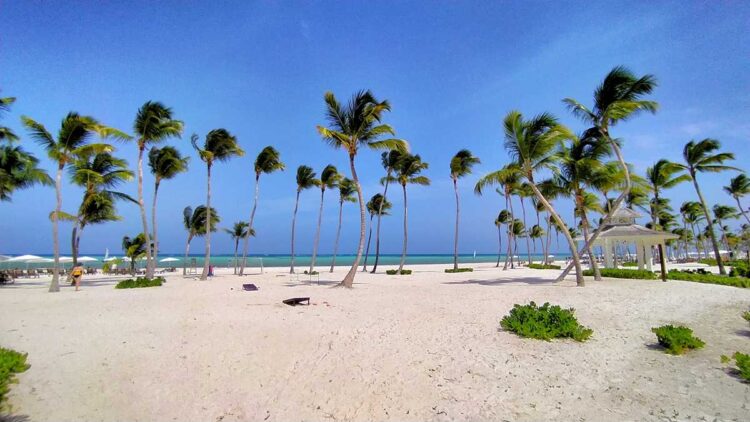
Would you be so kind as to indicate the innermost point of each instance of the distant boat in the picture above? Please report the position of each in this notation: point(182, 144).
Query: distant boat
point(475, 254)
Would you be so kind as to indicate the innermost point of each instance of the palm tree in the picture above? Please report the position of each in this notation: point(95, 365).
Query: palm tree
point(407, 172)
point(165, 163)
point(346, 194)
point(239, 231)
point(351, 126)
point(619, 97)
point(721, 213)
point(329, 178)
point(134, 248)
point(6, 133)
point(220, 146)
point(72, 141)
point(460, 165)
point(267, 162)
point(519, 230)
point(502, 218)
point(536, 232)
point(523, 191)
point(153, 124)
point(195, 222)
point(508, 178)
point(691, 215)
point(531, 144)
point(739, 187)
point(379, 206)
point(305, 180)
point(388, 160)
point(700, 158)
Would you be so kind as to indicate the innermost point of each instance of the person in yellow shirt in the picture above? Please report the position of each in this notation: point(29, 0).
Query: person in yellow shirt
point(77, 274)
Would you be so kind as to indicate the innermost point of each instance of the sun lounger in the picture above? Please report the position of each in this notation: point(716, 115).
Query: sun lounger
point(297, 301)
point(250, 287)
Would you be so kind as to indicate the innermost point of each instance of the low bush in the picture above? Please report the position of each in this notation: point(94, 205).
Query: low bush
point(459, 270)
point(677, 340)
point(11, 363)
point(709, 278)
point(746, 315)
point(742, 361)
point(620, 273)
point(394, 272)
point(140, 282)
point(544, 322)
point(740, 269)
point(544, 267)
point(312, 272)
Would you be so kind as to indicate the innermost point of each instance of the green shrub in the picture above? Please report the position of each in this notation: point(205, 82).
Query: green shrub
point(140, 282)
point(629, 264)
point(742, 361)
point(544, 323)
point(746, 315)
point(394, 272)
point(459, 270)
point(709, 278)
point(312, 272)
point(677, 339)
point(740, 269)
point(620, 273)
point(544, 267)
point(11, 363)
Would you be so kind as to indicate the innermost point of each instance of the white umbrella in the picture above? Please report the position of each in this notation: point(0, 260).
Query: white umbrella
point(40, 261)
point(87, 259)
point(66, 259)
point(4, 258)
point(169, 260)
point(111, 258)
point(24, 258)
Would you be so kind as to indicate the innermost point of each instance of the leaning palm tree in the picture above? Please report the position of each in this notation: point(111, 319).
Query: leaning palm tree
point(700, 157)
point(531, 144)
point(379, 206)
point(134, 248)
point(737, 188)
point(153, 124)
point(195, 222)
point(346, 194)
point(6, 133)
point(388, 160)
point(723, 213)
point(502, 218)
point(460, 165)
point(239, 231)
point(408, 172)
point(165, 164)
point(219, 146)
point(329, 178)
point(267, 162)
point(509, 179)
point(305, 180)
point(72, 141)
point(354, 125)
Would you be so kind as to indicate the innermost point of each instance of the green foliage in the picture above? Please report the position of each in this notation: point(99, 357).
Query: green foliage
point(677, 340)
point(140, 282)
point(544, 267)
point(544, 323)
point(740, 269)
point(459, 270)
point(709, 278)
point(11, 363)
point(629, 264)
point(394, 272)
point(620, 273)
point(746, 315)
point(311, 272)
point(742, 361)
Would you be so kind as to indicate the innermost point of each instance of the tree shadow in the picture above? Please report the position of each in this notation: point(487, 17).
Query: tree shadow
point(531, 281)
point(14, 418)
point(744, 333)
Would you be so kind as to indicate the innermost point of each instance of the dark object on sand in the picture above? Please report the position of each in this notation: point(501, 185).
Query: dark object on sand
point(297, 301)
point(249, 287)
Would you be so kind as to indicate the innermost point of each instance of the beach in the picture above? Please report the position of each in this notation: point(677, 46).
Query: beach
point(405, 348)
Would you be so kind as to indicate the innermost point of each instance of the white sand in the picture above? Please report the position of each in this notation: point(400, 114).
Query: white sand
point(420, 347)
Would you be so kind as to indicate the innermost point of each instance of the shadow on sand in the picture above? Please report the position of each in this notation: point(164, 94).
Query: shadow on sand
point(531, 281)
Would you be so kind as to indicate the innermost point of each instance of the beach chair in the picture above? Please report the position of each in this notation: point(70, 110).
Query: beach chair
point(297, 301)
point(250, 287)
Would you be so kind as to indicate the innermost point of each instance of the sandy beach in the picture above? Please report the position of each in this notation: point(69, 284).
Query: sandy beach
point(421, 347)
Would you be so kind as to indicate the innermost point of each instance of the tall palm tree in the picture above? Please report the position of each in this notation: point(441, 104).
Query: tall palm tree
point(408, 172)
point(134, 248)
point(165, 163)
point(6, 133)
point(219, 146)
point(519, 230)
point(388, 160)
point(700, 157)
point(239, 230)
point(509, 179)
point(72, 141)
point(153, 124)
point(379, 206)
point(268, 161)
point(691, 215)
point(195, 222)
point(524, 191)
point(737, 188)
point(329, 178)
point(619, 97)
point(531, 144)
point(354, 125)
point(305, 180)
point(502, 218)
point(536, 232)
point(722, 213)
point(346, 194)
point(460, 165)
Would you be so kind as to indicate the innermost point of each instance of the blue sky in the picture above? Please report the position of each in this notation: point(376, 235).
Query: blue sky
point(451, 71)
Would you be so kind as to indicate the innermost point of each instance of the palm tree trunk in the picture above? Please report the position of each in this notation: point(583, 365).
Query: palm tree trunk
point(144, 221)
point(294, 222)
point(55, 283)
point(528, 243)
point(338, 236)
point(348, 280)
point(153, 223)
point(73, 250)
point(455, 241)
point(380, 215)
point(592, 257)
point(236, 249)
point(695, 239)
point(499, 244)
point(739, 205)
point(549, 240)
point(187, 252)
point(207, 259)
point(250, 227)
point(511, 236)
point(406, 232)
point(367, 250)
point(724, 239)
point(317, 232)
point(710, 226)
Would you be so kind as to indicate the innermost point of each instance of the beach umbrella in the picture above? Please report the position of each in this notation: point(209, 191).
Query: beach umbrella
point(65, 259)
point(111, 258)
point(24, 258)
point(169, 260)
point(87, 259)
point(40, 261)
point(4, 258)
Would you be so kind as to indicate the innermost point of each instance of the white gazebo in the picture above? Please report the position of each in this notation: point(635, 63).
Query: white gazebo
point(622, 229)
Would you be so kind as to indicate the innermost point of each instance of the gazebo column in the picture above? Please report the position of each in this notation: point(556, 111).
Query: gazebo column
point(639, 254)
point(649, 257)
point(607, 254)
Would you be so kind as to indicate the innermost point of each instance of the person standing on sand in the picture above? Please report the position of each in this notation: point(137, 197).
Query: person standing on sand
point(77, 274)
